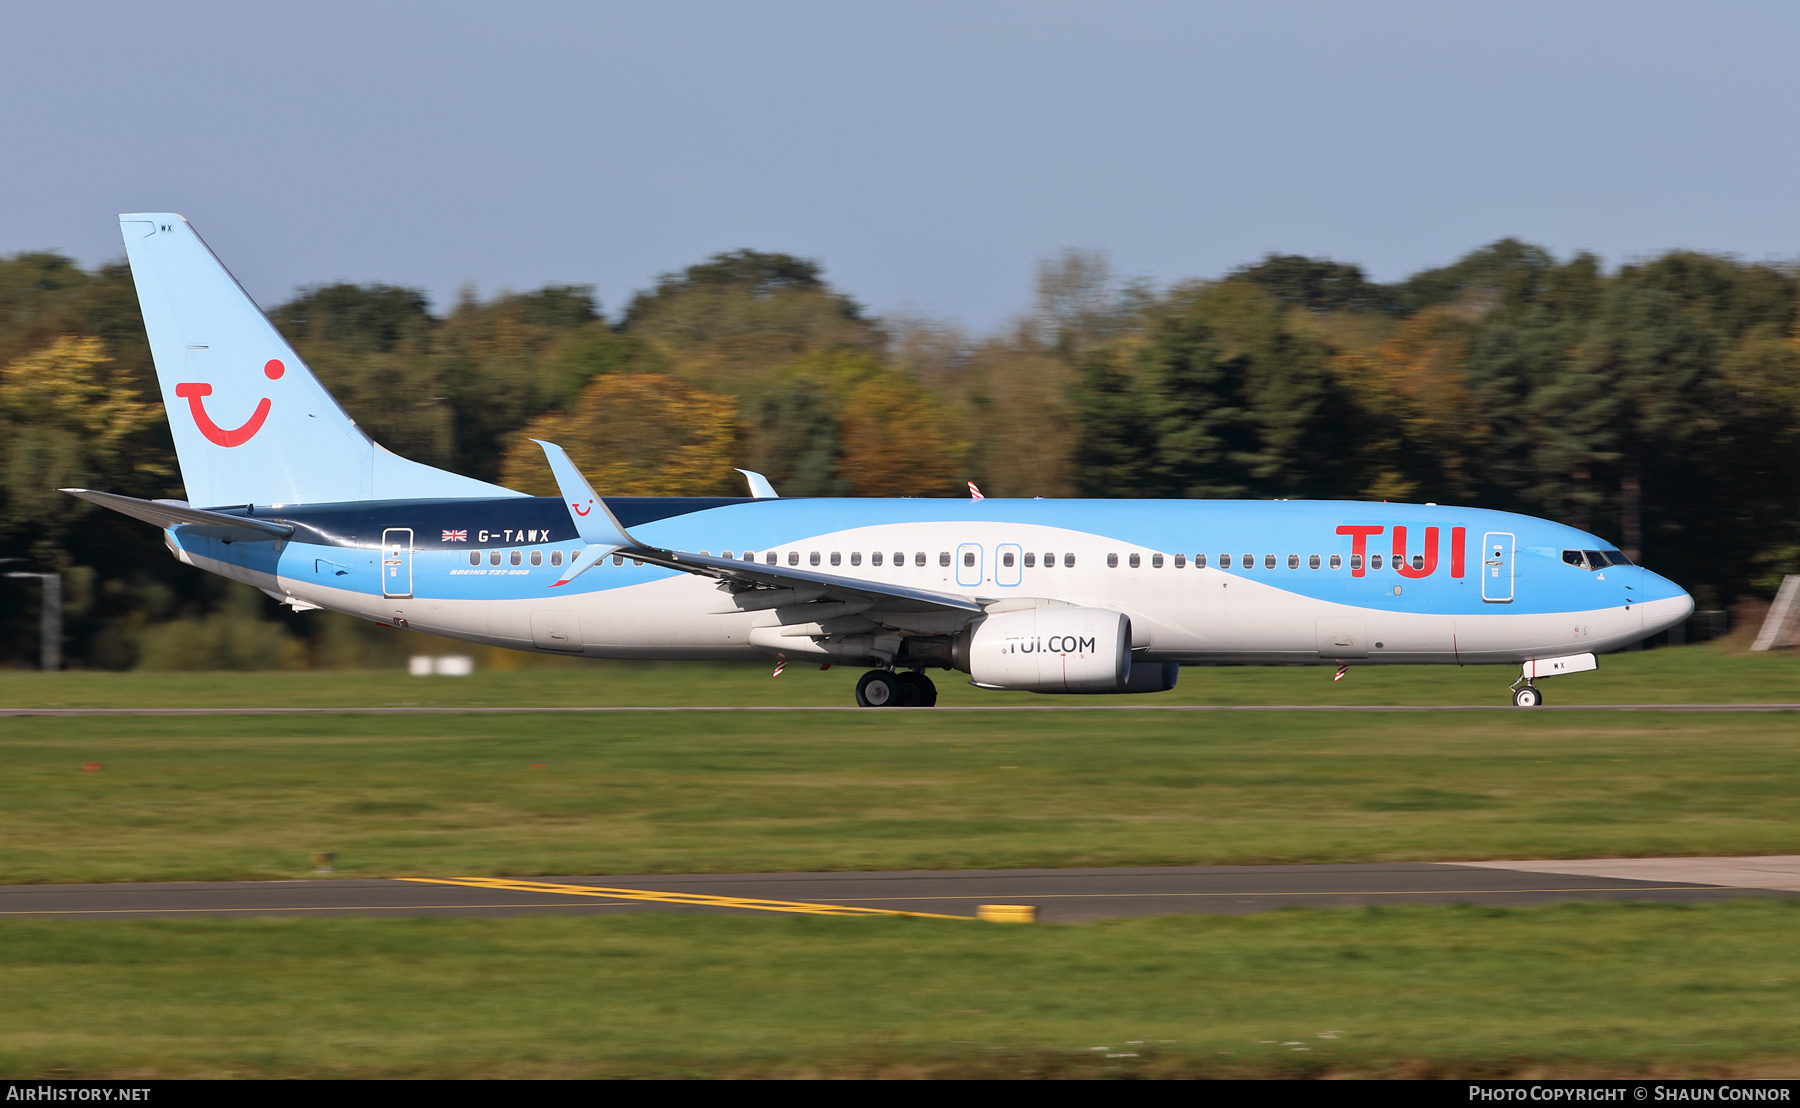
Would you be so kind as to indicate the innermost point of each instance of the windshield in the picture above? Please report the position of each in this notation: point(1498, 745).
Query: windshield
point(1595, 559)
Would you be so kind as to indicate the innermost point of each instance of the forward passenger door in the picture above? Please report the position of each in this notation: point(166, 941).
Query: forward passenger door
point(1497, 567)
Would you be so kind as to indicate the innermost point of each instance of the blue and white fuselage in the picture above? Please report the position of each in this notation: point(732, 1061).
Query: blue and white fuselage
point(1290, 593)
point(1048, 595)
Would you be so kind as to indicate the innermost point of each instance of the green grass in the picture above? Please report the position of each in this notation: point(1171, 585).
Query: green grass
point(1710, 674)
point(253, 796)
point(1572, 990)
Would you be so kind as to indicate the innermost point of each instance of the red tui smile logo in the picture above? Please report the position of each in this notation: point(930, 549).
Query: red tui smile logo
point(194, 393)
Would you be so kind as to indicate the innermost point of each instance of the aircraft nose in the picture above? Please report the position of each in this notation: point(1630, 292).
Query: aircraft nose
point(1664, 603)
point(1657, 587)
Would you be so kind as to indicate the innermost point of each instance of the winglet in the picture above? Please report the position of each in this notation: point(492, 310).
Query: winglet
point(581, 561)
point(759, 485)
point(593, 520)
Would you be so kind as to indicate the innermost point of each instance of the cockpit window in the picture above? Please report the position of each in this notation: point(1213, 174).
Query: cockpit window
point(1595, 559)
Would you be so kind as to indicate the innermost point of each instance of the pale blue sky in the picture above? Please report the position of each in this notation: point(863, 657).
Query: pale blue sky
point(929, 154)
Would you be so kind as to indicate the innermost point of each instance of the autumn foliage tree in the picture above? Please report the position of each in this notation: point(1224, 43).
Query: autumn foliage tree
point(68, 418)
point(643, 434)
point(897, 442)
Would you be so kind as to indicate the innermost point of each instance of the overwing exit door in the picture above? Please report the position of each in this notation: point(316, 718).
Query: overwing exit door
point(396, 562)
point(1497, 567)
point(1007, 559)
point(968, 565)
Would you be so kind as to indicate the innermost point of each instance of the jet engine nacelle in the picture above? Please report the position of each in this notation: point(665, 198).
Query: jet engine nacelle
point(1060, 650)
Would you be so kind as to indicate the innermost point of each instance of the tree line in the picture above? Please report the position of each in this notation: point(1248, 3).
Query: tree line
point(1657, 405)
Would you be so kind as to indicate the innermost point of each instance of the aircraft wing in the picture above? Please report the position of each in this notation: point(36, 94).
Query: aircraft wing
point(791, 585)
point(170, 513)
point(799, 597)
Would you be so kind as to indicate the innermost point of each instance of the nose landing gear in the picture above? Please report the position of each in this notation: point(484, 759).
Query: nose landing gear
point(1525, 691)
point(881, 688)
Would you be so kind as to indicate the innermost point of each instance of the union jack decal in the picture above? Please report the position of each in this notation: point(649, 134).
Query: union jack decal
point(455, 536)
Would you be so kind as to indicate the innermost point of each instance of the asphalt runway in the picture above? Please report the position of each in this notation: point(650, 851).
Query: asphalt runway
point(478, 711)
point(1058, 895)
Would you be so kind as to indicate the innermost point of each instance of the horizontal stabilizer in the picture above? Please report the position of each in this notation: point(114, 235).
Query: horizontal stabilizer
point(166, 514)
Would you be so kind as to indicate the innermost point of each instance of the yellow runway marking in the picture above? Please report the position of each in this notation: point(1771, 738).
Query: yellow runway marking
point(700, 900)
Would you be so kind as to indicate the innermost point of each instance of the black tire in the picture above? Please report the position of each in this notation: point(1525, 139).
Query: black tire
point(921, 693)
point(880, 689)
point(1528, 697)
point(909, 690)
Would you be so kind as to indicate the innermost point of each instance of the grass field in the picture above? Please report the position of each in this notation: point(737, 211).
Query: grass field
point(1571, 990)
point(1710, 674)
point(1574, 990)
point(254, 796)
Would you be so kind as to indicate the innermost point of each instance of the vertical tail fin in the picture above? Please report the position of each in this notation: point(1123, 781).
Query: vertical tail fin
point(252, 425)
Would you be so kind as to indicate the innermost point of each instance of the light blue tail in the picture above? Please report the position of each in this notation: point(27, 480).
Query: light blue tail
point(252, 424)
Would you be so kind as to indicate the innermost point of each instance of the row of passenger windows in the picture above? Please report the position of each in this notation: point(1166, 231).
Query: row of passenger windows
point(515, 557)
point(1135, 561)
point(877, 558)
point(1269, 561)
point(1597, 559)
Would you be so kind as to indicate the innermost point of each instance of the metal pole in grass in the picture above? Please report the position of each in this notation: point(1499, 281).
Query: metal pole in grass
point(50, 624)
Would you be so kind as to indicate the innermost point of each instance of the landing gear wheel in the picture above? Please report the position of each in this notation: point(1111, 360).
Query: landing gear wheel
point(1528, 697)
point(879, 689)
point(920, 692)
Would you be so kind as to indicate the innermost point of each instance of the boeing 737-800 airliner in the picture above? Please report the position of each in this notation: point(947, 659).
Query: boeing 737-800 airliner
point(286, 493)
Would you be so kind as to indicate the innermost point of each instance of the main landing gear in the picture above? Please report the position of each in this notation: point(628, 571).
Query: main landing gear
point(883, 688)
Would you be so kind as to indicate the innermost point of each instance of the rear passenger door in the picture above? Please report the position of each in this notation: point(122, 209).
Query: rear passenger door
point(396, 562)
